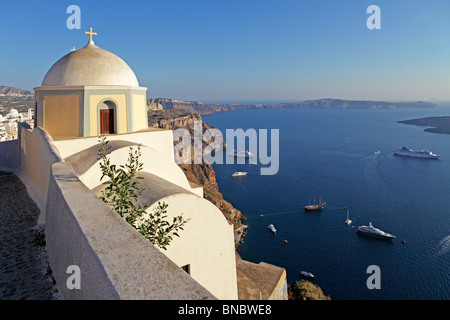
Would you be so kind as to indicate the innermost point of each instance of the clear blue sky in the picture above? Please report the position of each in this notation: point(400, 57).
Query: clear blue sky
point(214, 50)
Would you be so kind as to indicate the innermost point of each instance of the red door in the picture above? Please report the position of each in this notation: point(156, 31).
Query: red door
point(107, 121)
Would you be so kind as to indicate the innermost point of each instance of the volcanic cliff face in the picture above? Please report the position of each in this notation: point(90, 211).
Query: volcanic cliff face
point(202, 174)
point(197, 106)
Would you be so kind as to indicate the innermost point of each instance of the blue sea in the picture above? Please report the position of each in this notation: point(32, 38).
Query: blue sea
point(331, 153)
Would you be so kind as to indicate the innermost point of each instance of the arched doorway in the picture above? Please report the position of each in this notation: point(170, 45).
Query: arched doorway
point(107, 117)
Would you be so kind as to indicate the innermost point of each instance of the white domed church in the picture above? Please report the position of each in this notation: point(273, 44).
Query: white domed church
point(95, 90)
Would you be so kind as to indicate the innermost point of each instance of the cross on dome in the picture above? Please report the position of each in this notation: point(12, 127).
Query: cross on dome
point(90, 33)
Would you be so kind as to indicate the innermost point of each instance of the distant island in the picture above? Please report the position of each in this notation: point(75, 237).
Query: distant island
point(15, 92)
point(208, 108)
point(435, 124)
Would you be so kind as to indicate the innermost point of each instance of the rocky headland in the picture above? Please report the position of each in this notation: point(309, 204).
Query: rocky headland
point(434, 124)
point(305, 290)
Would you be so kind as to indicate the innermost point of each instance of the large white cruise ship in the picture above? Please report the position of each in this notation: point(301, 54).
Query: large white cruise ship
point(418, 154)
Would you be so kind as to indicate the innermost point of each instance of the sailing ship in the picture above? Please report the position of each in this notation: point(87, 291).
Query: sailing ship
point(316, 207)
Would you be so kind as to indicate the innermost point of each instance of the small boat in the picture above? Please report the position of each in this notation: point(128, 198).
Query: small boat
point(272, 228)
point(316, 207)
point(241, 153)
point(306, 274)
point(239, 174)
point(378, 152)
point(348, 221)
point(371, 231)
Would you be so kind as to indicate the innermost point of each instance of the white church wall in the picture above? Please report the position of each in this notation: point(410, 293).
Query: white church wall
point(153, 162)
point(114, 261)
point(206, 244)
point(37, 153)
point(158, 139)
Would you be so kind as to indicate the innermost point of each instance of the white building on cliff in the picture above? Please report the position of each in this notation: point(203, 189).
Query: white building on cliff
point(90, 92)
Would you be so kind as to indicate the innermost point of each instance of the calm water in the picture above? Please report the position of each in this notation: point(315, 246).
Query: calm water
point(330, 153)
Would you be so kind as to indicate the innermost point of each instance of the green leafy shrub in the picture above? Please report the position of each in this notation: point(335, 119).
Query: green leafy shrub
point(122, 192)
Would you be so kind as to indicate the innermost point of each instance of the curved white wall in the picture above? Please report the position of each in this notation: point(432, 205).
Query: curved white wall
point(114, 261)
point(37, 153)
point(206, 243)
point(153, 162)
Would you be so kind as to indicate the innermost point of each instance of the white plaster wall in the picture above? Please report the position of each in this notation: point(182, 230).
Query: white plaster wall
point(115, 261)
point(153, 161)
point(37, 153)
point(206, 244)
point(158, 139)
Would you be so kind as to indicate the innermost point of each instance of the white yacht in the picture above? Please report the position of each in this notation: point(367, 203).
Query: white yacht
point(371, 231)
point(306, 274)
point(239, 174)
point(240, 153)
point(272, 228)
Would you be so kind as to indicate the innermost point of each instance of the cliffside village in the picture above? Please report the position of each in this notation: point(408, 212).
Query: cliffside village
point(9, 121)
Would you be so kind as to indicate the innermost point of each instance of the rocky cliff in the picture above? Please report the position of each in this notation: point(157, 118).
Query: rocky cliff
point(305, 290)
point(201, 174)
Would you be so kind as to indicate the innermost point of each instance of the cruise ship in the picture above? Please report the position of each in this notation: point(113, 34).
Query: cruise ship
point(371, 231)
point(417, 154)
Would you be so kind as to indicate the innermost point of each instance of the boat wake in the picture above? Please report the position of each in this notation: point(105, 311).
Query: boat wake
point(444, 245)
point(371, 171)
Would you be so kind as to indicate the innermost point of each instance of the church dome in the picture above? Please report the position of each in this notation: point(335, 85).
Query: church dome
point(13, 113)
point(90, 66)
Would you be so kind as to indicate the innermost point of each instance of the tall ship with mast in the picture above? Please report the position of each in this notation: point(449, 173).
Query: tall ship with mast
point(316, 207)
